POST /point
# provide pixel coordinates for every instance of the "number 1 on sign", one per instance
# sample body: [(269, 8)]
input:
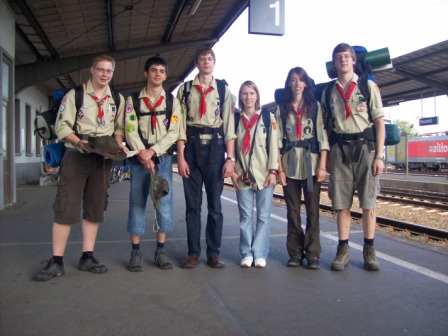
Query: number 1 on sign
[(276, 6)]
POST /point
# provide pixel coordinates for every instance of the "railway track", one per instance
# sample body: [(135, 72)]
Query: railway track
[(396, 225)]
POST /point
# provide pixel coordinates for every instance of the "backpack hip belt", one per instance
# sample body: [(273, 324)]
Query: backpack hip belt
[(365, 137), (311, 146)]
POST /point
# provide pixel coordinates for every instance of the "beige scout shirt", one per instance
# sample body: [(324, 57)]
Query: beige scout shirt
[(261, 163), (359, 120), (163, 138), (294, 161), (86, 122), (212, 116)]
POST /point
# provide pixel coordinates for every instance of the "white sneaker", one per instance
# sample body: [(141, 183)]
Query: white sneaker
[(260, 263), (247, 261)]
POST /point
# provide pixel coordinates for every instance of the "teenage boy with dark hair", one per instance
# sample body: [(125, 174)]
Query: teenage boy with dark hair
[(207, 133), (146, 132), (83, 174), (356, 155)]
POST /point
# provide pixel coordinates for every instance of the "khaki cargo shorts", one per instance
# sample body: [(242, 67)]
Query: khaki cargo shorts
[(347, 177)]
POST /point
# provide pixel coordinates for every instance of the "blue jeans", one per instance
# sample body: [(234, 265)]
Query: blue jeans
[(140, 182), (255, 241), (209, 175)]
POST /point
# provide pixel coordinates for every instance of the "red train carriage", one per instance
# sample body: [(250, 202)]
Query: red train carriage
[(428, 153)]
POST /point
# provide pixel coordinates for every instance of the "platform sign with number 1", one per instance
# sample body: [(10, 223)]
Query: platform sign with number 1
[(267, 17)]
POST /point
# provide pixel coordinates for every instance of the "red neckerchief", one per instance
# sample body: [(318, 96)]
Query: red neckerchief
[(151, 109), (99, 103), (298, 122), (246, 141), (346, 97), (203, 105)]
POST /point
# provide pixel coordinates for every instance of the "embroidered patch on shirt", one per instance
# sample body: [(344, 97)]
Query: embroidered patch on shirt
[(274, 125), (361, 107), (174, 119), (113, 108), (61, 108), (217, 112), (130, 128), (128, 108)]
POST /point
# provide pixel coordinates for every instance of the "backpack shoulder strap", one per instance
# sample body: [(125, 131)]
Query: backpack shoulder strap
[(79, 98), (266, 115), (186, 93), (116, 96), (364, 88), (169, 109), (327, 107), (221, 93), (136, 103)]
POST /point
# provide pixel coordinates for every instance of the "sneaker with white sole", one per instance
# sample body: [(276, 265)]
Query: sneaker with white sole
[(260, 263), (247, 261)]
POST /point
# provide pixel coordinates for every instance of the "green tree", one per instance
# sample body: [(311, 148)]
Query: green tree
[(406, 127)]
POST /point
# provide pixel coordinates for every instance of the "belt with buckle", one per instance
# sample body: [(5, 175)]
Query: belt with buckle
[(219, 141)]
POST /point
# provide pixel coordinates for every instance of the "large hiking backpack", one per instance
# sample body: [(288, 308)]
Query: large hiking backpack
[(363, 69), (44, 122), (168, 113)]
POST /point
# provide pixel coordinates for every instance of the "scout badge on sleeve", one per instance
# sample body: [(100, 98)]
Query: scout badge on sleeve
[(107, 147), (158, 188)]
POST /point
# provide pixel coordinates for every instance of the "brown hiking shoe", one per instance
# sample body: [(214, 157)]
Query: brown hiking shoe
[(341, 259), (370, 263)]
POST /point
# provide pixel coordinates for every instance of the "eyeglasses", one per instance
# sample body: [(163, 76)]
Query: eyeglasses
[(106, 71), (343, 57)]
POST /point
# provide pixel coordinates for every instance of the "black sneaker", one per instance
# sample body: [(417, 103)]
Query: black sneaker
[(161, 260), (91, 264), (50, 271), (136, 261), (313, 263)]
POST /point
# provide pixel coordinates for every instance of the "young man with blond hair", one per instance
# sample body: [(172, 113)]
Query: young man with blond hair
[(207, 134)]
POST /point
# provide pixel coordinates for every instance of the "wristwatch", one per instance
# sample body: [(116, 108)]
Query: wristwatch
[(229, 158), (379, 157)]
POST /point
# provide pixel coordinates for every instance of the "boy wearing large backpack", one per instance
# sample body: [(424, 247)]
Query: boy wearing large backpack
[(152, 123), (84, 175), (208, 131), (356, 154)]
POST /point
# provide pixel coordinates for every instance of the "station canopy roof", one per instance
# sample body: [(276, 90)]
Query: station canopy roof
[(420, 74), (56, 40)]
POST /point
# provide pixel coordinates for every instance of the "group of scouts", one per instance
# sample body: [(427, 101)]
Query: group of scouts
[(290, 147)]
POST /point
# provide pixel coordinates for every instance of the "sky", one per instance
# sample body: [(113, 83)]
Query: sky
[(314, 28)]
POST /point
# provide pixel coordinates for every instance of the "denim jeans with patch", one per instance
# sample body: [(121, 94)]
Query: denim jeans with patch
[(140, 182)]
